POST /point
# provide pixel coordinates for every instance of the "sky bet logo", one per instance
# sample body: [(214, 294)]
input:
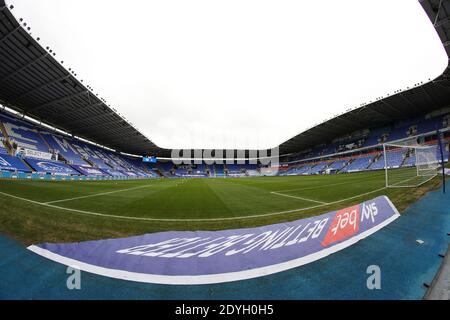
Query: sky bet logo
[(346, 222)]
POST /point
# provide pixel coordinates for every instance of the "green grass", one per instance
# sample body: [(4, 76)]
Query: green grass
[(76, 211)]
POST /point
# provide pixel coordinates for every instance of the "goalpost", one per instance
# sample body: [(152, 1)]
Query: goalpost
[(409, 164)]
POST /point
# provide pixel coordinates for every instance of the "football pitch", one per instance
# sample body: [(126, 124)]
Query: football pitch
[(54, 211)]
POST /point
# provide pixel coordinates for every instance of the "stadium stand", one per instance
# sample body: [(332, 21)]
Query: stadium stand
[(22, 134), (395, 159), (75, 157), (359, 164), (62, 146), (318, 168), (89, 171), (219, 170), (338, 165), (3, 149), (11, 163), (51, 167)]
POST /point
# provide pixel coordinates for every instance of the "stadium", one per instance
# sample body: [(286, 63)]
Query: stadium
[(81, 187)]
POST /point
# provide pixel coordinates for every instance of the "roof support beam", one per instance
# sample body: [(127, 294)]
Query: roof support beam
[(130, 138), (63, 99), (442, 22), (110, 132), (96, 124), (81, 120), (325, 127), (334, 124), (437, 13), (71, 112), (352, 121), (409, 102), (380, 114), (9, 34), (29, 64), (387, 104), (432, 100), (43, 86), (438, 82)]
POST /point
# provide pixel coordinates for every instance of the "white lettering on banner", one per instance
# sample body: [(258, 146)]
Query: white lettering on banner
[(369, 212), (345, 218), (37, 154), (63, 144), (206, 247), (285, 241), (4, 163), (216, 248)]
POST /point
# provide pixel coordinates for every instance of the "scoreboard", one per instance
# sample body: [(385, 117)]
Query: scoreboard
[(149, 159)]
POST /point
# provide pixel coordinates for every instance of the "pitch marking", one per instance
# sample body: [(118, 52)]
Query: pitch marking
[(190, 220), (300, 198), (100, 194), (187, 220)]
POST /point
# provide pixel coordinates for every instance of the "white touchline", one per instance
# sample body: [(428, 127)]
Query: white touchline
[(102, 193), (300, 198)]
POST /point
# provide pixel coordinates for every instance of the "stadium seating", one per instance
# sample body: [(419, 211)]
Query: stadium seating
[(400, 130), (318, 168), (305, 169), (219, 170), (112, 172), (23, 134), (90, 154), (11, 163), (64, 148), (51, 167), (378, 164), (359, 164), (3, 149), (235, 168), (338, 165), (89, 171), (85, 158), (78, 157), (410, 161), (394, 160)]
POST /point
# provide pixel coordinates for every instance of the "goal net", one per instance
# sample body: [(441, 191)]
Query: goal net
[(409, 164)]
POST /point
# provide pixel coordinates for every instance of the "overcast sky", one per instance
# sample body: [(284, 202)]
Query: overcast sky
[(237, 74)]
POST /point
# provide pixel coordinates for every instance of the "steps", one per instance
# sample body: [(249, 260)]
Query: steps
[(26, 163), (348, 163), (45, 141), (375, 160), (6, 143)]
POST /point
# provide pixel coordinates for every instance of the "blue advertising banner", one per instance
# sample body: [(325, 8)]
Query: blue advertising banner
[(11, 163), (205, 257), (44, 166), (88, 171)]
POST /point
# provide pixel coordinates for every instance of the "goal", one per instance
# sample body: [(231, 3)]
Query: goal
[(409, 164)]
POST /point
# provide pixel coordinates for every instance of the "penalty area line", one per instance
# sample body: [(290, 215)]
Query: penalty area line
[(299, 198)]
